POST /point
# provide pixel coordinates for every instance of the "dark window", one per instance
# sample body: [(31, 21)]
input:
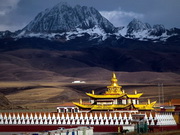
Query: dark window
[(62, 110), (119, 102), (69, 109), (75, 110)]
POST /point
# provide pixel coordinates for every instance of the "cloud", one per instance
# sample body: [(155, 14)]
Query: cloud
[(120, 17), (8, 16), (12, 28), (7, 6)]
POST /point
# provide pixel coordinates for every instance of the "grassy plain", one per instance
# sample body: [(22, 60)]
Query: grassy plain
[(46, 95)]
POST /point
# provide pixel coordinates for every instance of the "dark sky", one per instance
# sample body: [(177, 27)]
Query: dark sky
[(15, 14)]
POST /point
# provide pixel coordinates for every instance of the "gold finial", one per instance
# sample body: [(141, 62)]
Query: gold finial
[(149, 101), (114, 80), (93, 92), (114, 88), (135, 92), (113, 75), (80, 101)]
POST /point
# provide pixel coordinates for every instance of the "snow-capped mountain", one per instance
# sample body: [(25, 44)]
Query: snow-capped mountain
[(64, 19), (136, 29), (6, 34), (158, 30), (64, 22), (137, 26)]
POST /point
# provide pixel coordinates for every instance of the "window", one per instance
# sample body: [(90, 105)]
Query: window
[(69, 110), (62, 110), (119, 102), (75, 110)]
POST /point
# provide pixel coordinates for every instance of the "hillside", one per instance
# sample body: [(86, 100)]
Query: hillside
[(36, 64), (4, 102)]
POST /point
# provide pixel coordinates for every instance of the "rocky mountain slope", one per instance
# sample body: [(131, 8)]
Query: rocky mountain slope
[(63, 18), (64, 21)]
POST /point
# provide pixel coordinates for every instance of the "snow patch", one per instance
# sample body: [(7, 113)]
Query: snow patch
[(143, 35), (95, 32)]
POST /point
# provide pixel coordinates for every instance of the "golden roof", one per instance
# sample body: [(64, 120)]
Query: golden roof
[(114, 92), (135, 95), (105, 96), (145, 107), (114, 96), (102, 107), (114, 106)]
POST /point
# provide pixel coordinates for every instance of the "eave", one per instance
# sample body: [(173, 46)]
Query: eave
[(105, 96), (135, 96), (102, 107), (145, 107)]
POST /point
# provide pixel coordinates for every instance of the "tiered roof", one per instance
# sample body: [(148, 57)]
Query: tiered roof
[(115, 92)]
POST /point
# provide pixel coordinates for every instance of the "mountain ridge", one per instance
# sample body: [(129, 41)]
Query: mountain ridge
[(67, 22), (144, 31)]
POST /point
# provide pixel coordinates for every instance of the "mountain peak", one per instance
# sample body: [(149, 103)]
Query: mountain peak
[(135, 20), (158, 30), (63, 18), (136, 26), (62, 6)]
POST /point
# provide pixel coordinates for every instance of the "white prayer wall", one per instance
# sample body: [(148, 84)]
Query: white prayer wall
[(110, 118)]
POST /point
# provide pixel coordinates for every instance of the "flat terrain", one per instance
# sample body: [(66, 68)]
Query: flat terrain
[(46, 95)]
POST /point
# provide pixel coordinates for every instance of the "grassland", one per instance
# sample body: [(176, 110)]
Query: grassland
[(35, 95), (46, 95)]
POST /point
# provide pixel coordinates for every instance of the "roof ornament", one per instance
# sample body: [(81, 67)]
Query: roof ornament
[(114, 88)]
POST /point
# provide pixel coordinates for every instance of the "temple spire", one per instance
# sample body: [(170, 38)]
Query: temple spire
[(114, 81), (113, 75), (114, 88)]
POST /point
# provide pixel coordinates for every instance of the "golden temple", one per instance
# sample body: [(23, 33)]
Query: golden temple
[(114, 99)]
